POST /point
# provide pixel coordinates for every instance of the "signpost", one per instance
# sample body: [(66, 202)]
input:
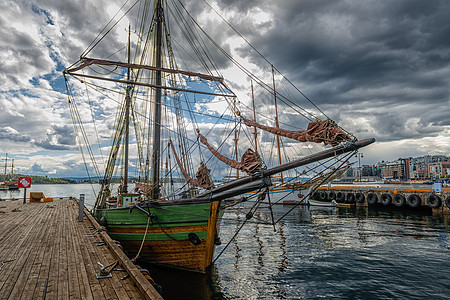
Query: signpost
[(24, 183)]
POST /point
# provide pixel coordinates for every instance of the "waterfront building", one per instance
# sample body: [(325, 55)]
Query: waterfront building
[(439, 169), (395, 170), (370, 171), (428, 167)]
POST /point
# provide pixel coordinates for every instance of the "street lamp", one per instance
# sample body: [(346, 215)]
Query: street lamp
[(359, 155)]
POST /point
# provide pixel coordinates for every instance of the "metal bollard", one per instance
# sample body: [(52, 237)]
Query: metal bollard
[(81, 208)]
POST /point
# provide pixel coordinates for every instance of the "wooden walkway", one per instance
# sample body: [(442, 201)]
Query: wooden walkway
[(45, 253)]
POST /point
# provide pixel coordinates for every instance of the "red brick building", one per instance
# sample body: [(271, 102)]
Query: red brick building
[(428, 167)]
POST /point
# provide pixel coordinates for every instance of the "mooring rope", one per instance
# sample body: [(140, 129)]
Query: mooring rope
[(143, 240)]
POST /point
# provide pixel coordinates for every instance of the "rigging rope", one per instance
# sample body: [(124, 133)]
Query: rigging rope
[(260, 54)]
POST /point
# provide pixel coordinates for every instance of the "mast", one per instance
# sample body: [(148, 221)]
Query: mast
[(235, 138), (157, 112), (255, 133), (127, 119), (277, 124)]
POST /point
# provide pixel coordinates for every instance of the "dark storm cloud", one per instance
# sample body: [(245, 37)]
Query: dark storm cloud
[(58, 138), (375, 56), (370, 45), (238, 5), (84, 20)]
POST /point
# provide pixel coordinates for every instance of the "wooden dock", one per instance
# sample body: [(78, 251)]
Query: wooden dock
[(46, 253)]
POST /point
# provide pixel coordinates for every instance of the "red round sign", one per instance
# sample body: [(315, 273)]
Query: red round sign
[(24, 182)]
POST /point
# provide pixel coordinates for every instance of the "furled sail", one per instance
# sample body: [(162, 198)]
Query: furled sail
[(319, 131), (250, 161), (203, 173)]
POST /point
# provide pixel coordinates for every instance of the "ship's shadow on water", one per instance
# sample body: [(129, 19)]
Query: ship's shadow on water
[(179, 284), (342, 253)]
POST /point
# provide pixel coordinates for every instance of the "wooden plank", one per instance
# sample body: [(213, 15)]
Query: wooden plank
[(91, 254), (19, 253), (50, 290), (28, 248), (44, 272), (105, 256), (54, 259), (35, 269), (94, 284), (146, 289), (63, 278), (77, 263)]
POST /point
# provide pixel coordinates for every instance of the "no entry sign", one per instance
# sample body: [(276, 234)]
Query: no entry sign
[(24, 182)]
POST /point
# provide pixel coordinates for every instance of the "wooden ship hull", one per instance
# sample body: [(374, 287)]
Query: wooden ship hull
[(179, 234)]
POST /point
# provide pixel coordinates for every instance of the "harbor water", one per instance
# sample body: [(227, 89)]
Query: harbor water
[(327, 253)]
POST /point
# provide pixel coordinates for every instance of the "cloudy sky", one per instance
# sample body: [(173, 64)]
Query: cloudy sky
[(378, 68)]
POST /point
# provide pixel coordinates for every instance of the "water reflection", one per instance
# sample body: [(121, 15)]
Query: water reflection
[(11, 195), (284, 258), (343, 253), (178, 284)]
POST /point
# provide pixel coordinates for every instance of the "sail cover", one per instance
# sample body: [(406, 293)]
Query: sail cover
[(319, 131), (250, 161), (203, 173)]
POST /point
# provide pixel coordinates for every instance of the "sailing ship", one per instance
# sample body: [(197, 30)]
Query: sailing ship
[(171, 115), (8, 184)]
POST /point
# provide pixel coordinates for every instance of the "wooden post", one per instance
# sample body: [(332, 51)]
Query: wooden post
[(81, 208)]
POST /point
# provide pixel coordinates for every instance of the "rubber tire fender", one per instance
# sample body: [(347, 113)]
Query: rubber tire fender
[(414, 200), (340, 197), (372, 198), (323, 196), (399, 200), (332, 196), (434, 201), (386, 199), (350, 198), (447, 202), (359, 197), (316, 196)]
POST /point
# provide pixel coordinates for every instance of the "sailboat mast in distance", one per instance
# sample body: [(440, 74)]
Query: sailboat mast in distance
[(277, 124)]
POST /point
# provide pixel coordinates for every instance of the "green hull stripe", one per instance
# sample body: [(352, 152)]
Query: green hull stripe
[(144, 225), (155, 236)]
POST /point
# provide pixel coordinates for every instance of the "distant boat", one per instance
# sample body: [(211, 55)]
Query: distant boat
[(159, 221), (8, 184), (317, 203), (311, 202)]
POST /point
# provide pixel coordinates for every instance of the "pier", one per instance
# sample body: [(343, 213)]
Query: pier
[(46, 252), (401, 197)]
